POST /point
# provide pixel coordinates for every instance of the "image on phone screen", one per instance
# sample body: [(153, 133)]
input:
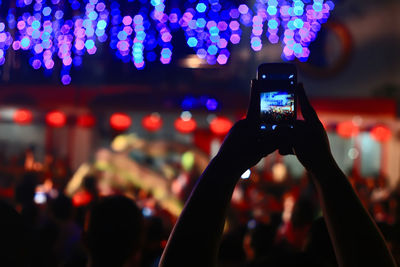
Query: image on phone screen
[(277, 107)]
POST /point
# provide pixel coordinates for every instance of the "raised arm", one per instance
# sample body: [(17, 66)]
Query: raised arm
[(196, 236), (356, 239)]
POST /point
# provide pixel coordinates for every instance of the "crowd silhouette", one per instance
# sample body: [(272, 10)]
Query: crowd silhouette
[(323, 219)]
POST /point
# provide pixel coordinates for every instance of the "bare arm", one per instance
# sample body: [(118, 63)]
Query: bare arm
[(196, 236), (356, 239)]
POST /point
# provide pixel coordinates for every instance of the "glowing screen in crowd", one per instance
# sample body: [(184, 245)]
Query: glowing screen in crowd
[(277, 106)]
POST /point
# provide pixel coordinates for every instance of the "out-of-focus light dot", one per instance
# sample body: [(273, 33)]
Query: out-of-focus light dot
[(40, 198), (122, 35), (93, 15), (49, 64), (290, 25), (212, 104), (297, 48), (166, 53), (273, 24), (317, 6), (214, 30), (2, 26), (77, 61), (36, 64), (212, 50), (66, 79), (138, 19), (235, 38), (102, 24), (353, 153), (166, 37), (298, 23), (298, 11), (89, 44), (92, 50), (120, 121), (243, 9), (192, 42), (36, 24), (220, 125), (16, 45), (36, 34), (186, 115), (234, 13), (331, 5), (139, 65), (21, 25), (100, 7), (272, 10), (1, 53), (256, 43), (127, 20), (234, 25), (201, 23), (246, 175), (67, 61), (201, 7), (25, 42), (222, 43), (59, 14), (273, 38), (201, 53), (222, 59), (46, 11), (211, 24), (3, 37)]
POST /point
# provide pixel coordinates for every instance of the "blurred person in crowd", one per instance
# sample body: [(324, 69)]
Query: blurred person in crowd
[(196, 236), (15, 238), (114, 231), (24, 197)]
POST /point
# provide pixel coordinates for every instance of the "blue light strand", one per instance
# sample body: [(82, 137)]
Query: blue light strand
[(209, 25)]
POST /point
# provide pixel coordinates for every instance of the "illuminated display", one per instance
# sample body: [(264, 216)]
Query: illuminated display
[(277, 106), (137, 34)]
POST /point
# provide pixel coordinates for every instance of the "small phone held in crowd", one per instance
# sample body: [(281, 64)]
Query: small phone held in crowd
[(276, 95)]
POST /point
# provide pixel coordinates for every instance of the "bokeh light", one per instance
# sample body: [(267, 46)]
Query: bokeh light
[(146, 32)]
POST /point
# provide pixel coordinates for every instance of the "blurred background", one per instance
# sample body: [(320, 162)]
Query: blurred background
[(137, 96)]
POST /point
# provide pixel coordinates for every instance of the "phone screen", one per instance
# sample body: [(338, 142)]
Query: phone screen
[(277, 107), (277, 95)]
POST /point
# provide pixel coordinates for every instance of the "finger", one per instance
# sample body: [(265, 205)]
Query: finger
[(307, 110), (253, 103)]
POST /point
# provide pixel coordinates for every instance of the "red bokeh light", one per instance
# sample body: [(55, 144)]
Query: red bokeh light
[(381, 133), (86, 120), (152, 122), (347, 129), (23, 116), (185, 125), (81, 198), (56, 118), (220, 125), (120, 121)]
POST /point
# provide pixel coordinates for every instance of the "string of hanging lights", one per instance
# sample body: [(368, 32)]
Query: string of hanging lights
[(141, 31)]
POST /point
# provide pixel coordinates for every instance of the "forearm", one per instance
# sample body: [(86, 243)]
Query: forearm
[(356, 239), (195, 238)]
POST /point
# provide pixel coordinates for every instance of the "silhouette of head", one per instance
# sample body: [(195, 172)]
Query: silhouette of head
[(114, 228)]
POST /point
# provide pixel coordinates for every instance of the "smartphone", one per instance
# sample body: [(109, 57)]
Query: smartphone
[(276, 95)]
